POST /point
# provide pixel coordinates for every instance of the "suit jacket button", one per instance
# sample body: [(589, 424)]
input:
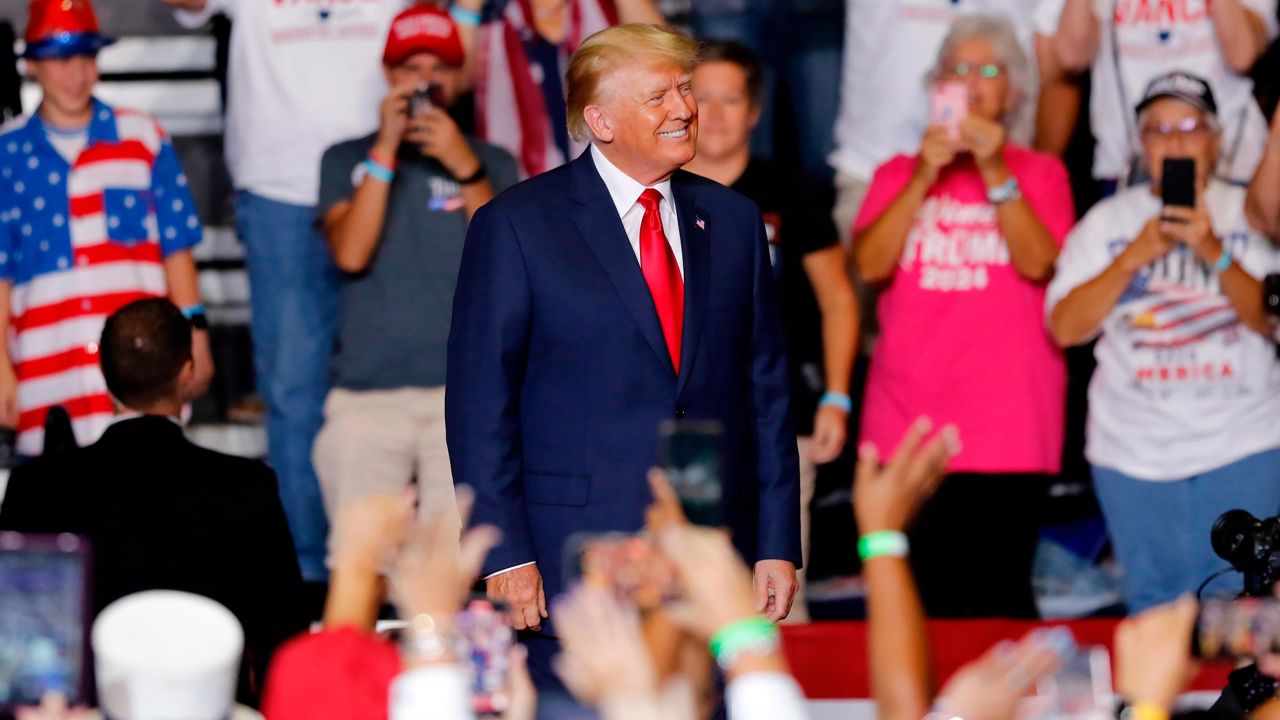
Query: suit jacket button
[(679, 413)]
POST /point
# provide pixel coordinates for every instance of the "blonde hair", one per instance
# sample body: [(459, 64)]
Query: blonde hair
[(612, 48)]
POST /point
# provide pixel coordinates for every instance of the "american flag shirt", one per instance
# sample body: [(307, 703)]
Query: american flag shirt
[(78, 241)]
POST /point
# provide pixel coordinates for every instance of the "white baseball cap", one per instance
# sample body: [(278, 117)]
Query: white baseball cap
[(167, 655)]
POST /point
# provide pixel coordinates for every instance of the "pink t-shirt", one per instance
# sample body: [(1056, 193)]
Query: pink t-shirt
[(963, 338)]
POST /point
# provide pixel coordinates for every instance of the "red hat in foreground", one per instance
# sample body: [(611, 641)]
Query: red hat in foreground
[(62, 28), (423, 29)]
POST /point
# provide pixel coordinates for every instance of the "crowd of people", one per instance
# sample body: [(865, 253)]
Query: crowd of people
[(490, 243)]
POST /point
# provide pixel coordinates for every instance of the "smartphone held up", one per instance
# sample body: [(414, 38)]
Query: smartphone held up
[(948, 105), (45, 614), (487, 639), (630, 566), (425, 96), (1178, 182), (1242, 628), (689, 451)]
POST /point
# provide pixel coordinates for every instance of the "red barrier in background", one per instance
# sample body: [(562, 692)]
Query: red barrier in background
[(830, 658)]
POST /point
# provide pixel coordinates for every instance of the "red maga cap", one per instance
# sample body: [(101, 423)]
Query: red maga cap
[(62, 28), (423, 29)]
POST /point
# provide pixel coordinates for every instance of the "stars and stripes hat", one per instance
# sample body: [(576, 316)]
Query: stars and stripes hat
[(61, 29), (423, 29)]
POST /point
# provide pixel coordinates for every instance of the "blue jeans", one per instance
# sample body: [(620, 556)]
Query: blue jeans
[(801, 50), (295, 290), (1161, 529)]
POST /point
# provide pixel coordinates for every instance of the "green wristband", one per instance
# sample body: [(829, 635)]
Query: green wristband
[(753, 635), (884, 543)]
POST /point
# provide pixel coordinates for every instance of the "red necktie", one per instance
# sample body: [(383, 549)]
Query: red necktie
[(661, 274)]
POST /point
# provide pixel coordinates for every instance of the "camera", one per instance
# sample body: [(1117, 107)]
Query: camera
[(1252, 546), (1271, 294), (429, 95)]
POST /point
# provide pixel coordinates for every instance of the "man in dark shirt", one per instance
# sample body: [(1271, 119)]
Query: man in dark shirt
[(819, 309), (395, 206), (160, 512)]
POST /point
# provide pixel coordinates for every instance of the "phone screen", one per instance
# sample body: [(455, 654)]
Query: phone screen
[(487, 637), (1242, 628), (1080, 689), (948, 105), (43, 617), (1178, 182), (691, 456), (421, 99), (629, 565)]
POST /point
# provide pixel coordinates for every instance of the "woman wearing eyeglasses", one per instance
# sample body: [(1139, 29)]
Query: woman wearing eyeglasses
[(961, 239), (1184, 407)]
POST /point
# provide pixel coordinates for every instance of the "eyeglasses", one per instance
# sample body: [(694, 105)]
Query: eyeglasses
[(987, 71), (1185, 127)]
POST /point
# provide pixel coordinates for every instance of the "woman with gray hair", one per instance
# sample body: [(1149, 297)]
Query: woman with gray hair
[(1166, 276), (962, 239)]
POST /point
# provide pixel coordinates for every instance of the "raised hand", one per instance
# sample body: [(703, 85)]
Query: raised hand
[(888, 497)]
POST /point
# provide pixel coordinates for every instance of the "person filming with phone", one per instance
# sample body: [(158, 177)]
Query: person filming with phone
[(395, 207), (1184, 401), (962, 239)]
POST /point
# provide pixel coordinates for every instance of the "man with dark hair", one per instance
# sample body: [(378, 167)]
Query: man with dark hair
[(394, 207), (161, 512), (809, 266), (144, 353), (746, 62), (95, 212)]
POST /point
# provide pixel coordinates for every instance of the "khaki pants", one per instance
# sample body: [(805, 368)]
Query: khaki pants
[(850, 192), (377, 441)]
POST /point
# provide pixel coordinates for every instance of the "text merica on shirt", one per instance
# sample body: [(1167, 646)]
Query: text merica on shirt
[(1185, 334)]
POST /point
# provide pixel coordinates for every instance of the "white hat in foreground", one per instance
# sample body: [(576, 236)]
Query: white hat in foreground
[(166, 655)]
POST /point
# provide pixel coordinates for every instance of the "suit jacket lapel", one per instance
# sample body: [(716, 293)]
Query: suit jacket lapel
[(598, 221), (695, 243)]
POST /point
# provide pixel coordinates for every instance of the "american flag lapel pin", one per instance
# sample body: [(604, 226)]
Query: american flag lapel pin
[(702, 224)]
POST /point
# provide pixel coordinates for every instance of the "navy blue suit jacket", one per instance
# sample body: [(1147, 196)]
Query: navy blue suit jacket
[(558, 375)]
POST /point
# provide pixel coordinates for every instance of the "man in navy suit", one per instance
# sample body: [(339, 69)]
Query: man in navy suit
[(596, 301)]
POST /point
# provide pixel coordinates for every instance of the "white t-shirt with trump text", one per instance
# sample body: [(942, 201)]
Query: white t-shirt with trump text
[(1182, 386), (1143, 39)]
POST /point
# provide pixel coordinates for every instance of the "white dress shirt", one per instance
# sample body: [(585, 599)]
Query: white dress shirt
[(625, 192)]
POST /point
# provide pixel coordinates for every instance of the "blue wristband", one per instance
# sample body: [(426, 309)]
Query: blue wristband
[(463, 16), (192, 310), (1004, 192), (1224, 262), (835, 399), (377, 171)]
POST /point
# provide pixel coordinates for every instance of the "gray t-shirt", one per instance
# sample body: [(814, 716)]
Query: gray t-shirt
[(395, 314)]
